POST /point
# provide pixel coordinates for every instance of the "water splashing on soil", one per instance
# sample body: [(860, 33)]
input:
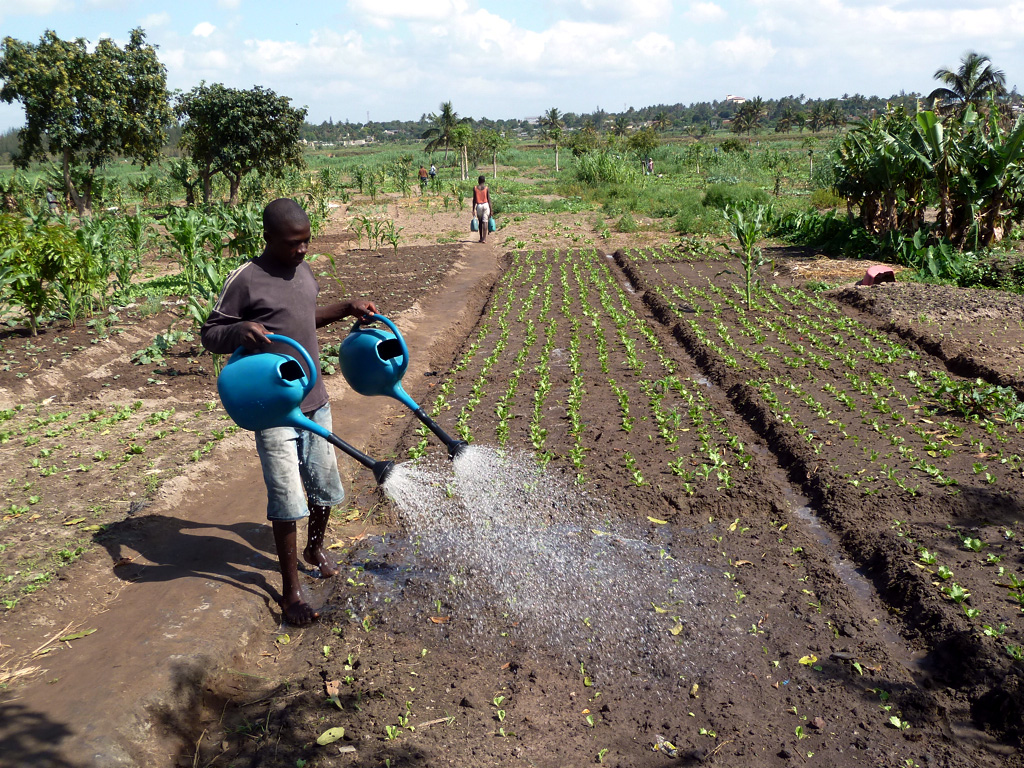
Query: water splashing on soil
[(517, 554)]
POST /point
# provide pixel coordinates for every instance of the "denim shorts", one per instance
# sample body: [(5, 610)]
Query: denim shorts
[(299, 468)]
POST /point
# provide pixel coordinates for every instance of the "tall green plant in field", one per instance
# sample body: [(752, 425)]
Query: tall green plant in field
[(748, 226), (99, 239), (188, 231), (246, 224), (33, 264), (137, 231), (595, 168)]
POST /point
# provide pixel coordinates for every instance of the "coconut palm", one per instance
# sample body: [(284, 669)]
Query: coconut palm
[(661, 121), (551, 123), (621, 126), (974, 82), (818, 117), (440, 133), (786, 120)]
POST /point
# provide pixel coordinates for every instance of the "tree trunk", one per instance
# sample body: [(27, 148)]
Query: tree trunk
[(69, 186), (207, 187), (556, 157), (234, 182), (494, 164)]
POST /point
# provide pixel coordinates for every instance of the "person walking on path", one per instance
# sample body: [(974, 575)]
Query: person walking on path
[(482, 207), (276, 293), (423, 179)]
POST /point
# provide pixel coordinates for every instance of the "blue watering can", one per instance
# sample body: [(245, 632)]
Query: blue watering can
[(265, 389), (373, 362)]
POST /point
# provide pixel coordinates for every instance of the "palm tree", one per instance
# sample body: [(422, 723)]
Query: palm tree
[(552, 123), (973, 83), (786, 120), (661, 121), (440, 133), (621, 126), (818, 117), (834, 115)]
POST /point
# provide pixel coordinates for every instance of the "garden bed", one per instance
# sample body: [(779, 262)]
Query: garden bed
[(812, 512)]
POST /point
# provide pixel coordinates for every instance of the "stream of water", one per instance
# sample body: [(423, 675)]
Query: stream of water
[(513, 545)]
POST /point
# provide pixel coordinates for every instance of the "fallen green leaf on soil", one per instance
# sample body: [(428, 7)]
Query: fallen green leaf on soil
[(76, 635), (330, 736)]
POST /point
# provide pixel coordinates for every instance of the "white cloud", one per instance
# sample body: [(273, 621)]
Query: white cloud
[(214, 59), (30, 7), (628, 12), (154, 20), (203, 29), (230, 5), (743, 53), (705, 13), (384, 14)]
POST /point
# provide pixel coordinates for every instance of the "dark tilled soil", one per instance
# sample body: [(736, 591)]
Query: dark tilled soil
[(828, 640), (974, 332), (821, 634)]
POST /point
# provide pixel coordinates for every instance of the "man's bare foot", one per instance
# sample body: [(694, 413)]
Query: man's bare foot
[(318, 558), (298, 612)]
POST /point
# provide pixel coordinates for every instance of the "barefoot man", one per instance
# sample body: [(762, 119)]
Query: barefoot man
[(276, 293)]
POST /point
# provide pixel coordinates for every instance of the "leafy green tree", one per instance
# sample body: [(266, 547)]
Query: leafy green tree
[(86, 106), (439, 134), (643, 142), (494, 142), (974, 82), (584, 140), (621, 126), (552, 124), (234, 132), (461, 138)]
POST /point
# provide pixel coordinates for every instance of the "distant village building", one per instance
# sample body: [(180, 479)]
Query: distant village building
[(735, 99)]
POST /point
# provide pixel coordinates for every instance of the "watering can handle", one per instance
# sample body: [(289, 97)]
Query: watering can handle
[(291, 342), (398, 335)]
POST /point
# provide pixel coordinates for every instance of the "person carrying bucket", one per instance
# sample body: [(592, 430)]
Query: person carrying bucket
[(275, 293), (482, 207)]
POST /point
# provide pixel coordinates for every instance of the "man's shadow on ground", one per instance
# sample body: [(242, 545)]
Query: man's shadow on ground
[(237, 554)]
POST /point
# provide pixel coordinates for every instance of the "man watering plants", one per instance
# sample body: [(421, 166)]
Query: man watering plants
[(276, 293)]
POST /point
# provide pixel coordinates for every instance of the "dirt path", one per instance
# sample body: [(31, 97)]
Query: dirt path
[(193, 578)]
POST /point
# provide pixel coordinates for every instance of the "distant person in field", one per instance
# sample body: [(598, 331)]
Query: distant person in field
[(51, 201), (433, 171), (276, 293), (424, 176), (482, 206)]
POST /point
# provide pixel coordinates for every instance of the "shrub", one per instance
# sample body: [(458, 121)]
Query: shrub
[(627, 223), (733, 145), (824, 199), (689, 218), (734, 195)]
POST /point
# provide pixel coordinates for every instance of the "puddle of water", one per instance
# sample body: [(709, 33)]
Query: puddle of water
[(859, 585)]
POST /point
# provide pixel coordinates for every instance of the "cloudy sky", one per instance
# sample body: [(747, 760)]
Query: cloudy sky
[(396, 59)]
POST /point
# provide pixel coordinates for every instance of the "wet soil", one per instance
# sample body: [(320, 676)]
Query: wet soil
[(783, 452)]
